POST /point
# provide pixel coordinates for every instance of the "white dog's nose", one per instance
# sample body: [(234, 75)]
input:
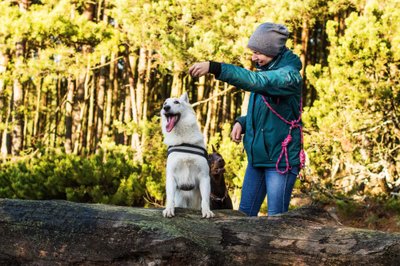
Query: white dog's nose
[(167, 108)]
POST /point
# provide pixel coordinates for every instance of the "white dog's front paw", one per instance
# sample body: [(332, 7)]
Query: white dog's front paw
[(169, 212), (207, 214)]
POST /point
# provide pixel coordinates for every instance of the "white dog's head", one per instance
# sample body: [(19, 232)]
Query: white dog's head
[(173, 110)]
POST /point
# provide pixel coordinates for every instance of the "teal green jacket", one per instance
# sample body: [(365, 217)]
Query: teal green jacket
[(281, 84)]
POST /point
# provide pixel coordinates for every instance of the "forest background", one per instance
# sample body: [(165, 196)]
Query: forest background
[(82, 84)]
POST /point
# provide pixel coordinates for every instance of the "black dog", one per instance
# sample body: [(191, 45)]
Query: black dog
[(219, 193)]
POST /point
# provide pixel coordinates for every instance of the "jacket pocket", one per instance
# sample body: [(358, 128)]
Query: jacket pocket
[(260, 149)]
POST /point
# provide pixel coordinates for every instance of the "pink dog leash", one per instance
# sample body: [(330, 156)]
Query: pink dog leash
[(293, 124)]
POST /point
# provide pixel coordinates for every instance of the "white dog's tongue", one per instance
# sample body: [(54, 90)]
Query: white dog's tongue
[(171, 121)]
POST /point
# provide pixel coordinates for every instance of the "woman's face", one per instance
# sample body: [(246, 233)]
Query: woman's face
[(260, 59)]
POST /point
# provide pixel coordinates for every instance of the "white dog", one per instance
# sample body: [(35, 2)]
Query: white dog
[(188, 179)]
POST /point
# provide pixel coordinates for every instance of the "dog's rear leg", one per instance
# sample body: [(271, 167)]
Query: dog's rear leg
[(170, 190), (205, 190)]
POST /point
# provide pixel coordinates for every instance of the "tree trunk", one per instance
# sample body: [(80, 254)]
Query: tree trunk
[(304, 46), (200, 96), (18, 96), (141, 80), (305, 35), (5, 138), (245, 102), (78, 111), (66, 233), (207, 124), (214, 109), (39, 105), (90, 119), (100, 101), (110, 97), (225, 105), (68, 116), (177, 84), (127, 117), (3, 113), (131, 69), (58, 126)]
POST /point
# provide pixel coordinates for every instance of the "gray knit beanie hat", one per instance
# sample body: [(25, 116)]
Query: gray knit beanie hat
[(268, 39)]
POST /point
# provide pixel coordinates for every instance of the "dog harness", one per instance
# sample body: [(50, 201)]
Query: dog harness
[(188, 148)]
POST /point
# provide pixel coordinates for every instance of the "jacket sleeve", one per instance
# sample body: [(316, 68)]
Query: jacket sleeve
[(242, 121), (284, 81)]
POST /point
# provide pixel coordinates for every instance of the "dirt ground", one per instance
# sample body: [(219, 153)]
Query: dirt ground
[(369, 214), (372, 217)]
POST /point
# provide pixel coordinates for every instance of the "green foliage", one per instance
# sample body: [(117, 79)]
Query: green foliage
[(155, 157), (105, 178), (152, 171), (353, 137)]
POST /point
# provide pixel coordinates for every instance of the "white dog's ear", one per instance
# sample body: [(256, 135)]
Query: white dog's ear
[(184, 97)]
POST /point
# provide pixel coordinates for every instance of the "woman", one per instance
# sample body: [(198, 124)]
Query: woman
[(272, 126)]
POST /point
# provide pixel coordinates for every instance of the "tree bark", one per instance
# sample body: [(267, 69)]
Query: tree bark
[(100, 101), (90, 132), (3, 67), (18, 100), (68, 116), (66, 233)]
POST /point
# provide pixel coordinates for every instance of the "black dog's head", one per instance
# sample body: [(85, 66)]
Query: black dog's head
[(217, 165), (219, 193)]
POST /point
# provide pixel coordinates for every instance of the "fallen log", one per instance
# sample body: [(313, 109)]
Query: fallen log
[(67, 233)]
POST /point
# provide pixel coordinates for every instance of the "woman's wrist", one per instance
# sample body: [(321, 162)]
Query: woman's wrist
[(215, 68)]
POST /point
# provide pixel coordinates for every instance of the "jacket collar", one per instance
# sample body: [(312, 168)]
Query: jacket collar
[(274, 61)]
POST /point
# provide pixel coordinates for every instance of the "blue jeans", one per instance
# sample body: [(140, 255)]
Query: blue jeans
[(261, 181)]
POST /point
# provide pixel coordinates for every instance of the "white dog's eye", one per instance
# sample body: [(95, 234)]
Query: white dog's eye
[(176, 102)]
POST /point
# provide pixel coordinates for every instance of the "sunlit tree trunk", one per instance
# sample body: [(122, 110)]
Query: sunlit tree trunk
[(127, 112), (5, 138), (176, 88), (131, 69), (132, 65), (139, 94), (145, 105), (58, 126), (215, 109), (18, 96), (77, 113), (3, 109), (146, 86), (140, 86), (304, 53), (200, 96), (47, 123), (100, 101), (115, 107), (225, 105), (80, 104), (68, 116), (245, 103), (233, 107), (210, 112), (37, 112), (109, 99), (90, 118)]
